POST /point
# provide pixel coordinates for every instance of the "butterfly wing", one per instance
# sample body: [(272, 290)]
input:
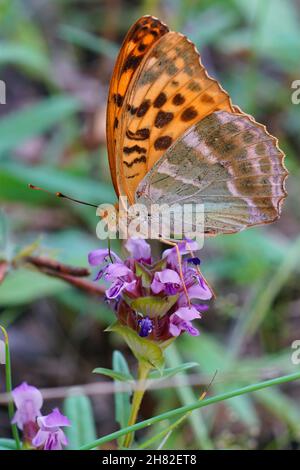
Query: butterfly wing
[(139, 39), (229, 163), (169, 92)]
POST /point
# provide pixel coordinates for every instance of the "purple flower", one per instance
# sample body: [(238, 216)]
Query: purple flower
[(181, 321), (146, 327), (50, 436), (28, 401), (185, 247), (139, 249), (97, 257), (121, 276), (199, 291), (166, 281), (163, 291)]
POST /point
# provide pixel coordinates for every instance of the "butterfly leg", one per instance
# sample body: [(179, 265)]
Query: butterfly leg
[(198, 268), (175, 245)]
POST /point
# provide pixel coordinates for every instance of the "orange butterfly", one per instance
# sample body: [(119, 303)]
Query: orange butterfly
[(174, 136)]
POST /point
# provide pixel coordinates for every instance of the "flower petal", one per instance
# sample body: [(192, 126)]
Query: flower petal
[(187, 313), (139, 249), (185, 246), (166, 276), (114, 290), (131, 286), (146, 326), (200, 291), (53, 420), (180, 321), (40, 438), (116, 270), (174, 329), (97, 257), (25, 392)]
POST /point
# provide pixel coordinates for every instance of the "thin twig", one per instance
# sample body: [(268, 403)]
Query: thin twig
[(89, 287), (71, 274), (54, 265)]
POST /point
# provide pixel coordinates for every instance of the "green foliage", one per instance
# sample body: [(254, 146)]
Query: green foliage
[(122, 398), (78, 408), (144, 349), (7, 444), (34, 119)]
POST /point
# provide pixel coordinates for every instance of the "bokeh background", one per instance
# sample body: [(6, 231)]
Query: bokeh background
[(56, 58)]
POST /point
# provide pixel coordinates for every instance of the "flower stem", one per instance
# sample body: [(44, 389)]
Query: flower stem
[(143, 370), (8, 383)]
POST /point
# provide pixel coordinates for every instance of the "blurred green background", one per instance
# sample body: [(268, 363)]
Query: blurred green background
[(56, 58)]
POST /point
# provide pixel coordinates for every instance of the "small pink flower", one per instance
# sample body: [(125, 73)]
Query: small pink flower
[(50, 436), (136, 278), (184, 248), (139, 249), (167, 281), (28, 401), (101, 255), (181, 321)]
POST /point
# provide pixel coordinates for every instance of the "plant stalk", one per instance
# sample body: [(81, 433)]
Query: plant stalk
[(143, 371), (8, 383)]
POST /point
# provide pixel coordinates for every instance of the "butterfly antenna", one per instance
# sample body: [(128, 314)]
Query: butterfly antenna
[(109, 252), (58, 194)]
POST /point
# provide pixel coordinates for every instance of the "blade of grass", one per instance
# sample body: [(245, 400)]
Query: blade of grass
[(193, 406), (8, 384), (186, 396), (122, 399), (34, 119), (250, 320), (88, 41), (79, 410), (165, 433)]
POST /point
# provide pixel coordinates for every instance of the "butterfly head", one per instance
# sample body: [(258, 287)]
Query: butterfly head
[(108, 214)]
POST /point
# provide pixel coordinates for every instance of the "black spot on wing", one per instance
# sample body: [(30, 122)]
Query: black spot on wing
[(141, 159)]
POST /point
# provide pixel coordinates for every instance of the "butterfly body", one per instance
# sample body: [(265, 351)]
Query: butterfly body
[(175, 137)]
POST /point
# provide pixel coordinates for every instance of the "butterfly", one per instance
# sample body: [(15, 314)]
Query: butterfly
[(174, 136)]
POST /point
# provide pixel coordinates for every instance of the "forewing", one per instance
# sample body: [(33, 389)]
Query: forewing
[(139, 39), (171, 91)]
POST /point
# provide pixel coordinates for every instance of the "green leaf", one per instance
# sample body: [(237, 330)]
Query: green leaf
[(144, 349), (15, 178), (7, 444), (152, 306), (24, 286), (78, 409), (35, 119), (113, 374), (89, 41), (122, 399), (24, 56), (171, 371)]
